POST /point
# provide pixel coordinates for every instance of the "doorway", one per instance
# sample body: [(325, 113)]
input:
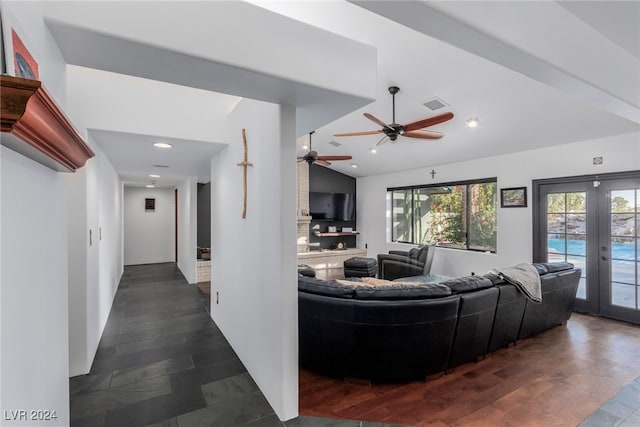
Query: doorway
[(592, 222)]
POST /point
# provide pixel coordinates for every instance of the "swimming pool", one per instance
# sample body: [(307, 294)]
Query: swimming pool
[(627, 251)]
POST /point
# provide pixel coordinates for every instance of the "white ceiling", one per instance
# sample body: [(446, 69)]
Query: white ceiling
[(518, 108), (135, 158)]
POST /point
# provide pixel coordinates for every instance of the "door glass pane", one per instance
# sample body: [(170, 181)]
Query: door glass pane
[(577, 202), (567, 232), (555, 202), (624, 248), (623, 272), (556, 223), (581, 263), (622, 201), (582, 289), (623, 224), (576, 224), (623, 295)]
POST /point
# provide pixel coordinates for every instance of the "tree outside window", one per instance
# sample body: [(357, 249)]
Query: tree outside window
[(459, 215)]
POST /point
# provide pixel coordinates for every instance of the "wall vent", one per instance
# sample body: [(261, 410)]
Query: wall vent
[(160, 166), (435, 103), (335, 144)]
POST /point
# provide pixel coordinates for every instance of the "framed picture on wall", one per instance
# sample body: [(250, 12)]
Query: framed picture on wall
[(515, 197), (149, 205), (17, 51)]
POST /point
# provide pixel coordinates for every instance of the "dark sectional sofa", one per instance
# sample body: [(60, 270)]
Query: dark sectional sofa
[(409, 331)]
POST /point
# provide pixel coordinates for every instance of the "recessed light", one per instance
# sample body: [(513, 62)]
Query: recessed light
[(150, 186), (353, 165), (154, 176), (373, 150), (162, 145), (305, 147), (471, 123)]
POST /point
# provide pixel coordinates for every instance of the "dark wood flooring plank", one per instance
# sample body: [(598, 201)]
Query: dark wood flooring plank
[(558, 377)]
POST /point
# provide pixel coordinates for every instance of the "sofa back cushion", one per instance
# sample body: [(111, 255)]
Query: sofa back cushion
[(311, 285), (468, 284), (402, 291)]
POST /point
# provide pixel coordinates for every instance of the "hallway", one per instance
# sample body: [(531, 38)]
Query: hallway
[(163, 362)]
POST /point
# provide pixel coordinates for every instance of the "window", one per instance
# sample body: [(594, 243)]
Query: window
[(457, 215)]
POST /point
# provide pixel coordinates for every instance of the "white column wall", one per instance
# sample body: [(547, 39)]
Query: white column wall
[(254, 259), (621, 153), (188, 228), (149, 237), (34, 337), (33, 281)]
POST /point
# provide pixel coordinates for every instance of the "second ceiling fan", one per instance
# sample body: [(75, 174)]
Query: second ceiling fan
[(312, 156), (412, 129)]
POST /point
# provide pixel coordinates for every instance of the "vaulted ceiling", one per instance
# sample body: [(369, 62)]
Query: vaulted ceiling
[(534, 74)]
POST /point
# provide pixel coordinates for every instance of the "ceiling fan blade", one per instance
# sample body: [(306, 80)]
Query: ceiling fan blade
[(376, 120), (382, 141), (322, 162), (335, 157), (427, 121), (423, 134), (300, 159), (368, 132)]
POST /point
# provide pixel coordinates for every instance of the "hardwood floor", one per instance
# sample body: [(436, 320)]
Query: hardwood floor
[(556, 378)]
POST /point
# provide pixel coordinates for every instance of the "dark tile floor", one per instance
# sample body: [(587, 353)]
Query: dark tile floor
[(622, 410), (163, 362)]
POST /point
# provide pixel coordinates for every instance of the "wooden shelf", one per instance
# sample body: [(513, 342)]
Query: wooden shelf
[(336, 233), (33, 125)]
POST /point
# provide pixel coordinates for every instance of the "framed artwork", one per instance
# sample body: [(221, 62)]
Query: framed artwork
[(149, 205), (16, 50), (24, 64), (515, 197)]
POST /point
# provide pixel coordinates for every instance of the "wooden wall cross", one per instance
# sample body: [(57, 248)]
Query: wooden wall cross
[(245, 163)]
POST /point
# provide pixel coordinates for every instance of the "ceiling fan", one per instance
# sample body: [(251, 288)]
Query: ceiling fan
[(411, 129), (312, 156)]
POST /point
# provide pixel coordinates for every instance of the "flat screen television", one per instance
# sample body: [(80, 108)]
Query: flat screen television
[(332, 206)]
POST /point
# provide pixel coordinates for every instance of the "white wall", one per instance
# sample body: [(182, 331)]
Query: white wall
[(149, 237), (33, 283), (188, 228), (94, 198), (621, 153), (254, 259), (34, 366)]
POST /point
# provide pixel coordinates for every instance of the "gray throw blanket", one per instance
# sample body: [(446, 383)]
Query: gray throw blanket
[(523, 276)]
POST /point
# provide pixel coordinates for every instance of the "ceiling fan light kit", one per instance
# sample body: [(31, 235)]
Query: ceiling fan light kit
[(412, 129)]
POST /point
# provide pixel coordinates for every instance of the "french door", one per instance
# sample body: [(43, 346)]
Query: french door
[(593, 222)]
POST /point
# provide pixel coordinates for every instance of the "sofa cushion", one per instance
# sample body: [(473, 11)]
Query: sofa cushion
[(402, 291), (542, 269), (553, 267), (495, 279), (468, 284), (311, 285), (414, 253)]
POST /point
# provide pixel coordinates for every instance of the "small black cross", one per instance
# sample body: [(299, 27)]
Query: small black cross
[(433, 174)]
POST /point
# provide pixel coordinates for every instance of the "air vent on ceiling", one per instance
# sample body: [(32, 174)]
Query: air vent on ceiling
[(435, 103), (335, 144), (160, 166)]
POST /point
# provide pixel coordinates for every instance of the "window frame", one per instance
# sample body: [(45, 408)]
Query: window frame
[(467, 213)]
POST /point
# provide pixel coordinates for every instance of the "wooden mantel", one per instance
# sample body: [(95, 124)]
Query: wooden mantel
[(34, 126)]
